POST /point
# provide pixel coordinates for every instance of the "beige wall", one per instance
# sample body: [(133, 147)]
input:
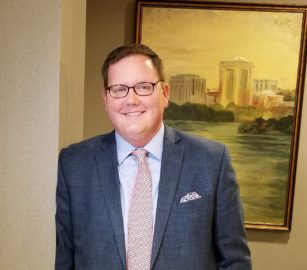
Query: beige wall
[(29, 97), (73, 21), (109, 24), (112, 24)]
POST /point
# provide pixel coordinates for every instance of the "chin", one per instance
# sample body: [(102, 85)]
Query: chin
[(135, 132)]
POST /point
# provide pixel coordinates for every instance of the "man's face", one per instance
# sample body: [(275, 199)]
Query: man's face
[(136, 118)]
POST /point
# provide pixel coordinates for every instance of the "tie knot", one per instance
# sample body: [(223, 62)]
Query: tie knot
[(140, 154)]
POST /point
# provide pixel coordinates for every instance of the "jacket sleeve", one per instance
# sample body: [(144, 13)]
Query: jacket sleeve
[(64, 232), (232, 252)]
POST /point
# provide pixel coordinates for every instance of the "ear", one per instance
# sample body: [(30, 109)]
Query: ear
[(103, 94), (166, 91)]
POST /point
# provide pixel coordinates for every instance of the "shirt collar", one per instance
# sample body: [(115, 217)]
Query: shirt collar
[(154, 147)]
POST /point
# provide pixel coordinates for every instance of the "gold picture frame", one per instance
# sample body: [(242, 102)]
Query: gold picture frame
[(236, 72)]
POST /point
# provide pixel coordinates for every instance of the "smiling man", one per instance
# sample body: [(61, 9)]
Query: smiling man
[(146, 196), (137, 118)]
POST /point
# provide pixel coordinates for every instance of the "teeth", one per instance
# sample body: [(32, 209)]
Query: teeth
[(133, 113)]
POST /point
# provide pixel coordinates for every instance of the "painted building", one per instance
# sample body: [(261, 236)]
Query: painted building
[(261, 85), (235, 82), (265, 93), (187, 88), (212, 97), (268, 99)]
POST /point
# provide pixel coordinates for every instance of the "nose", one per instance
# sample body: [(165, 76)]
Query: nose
[(132, 97)]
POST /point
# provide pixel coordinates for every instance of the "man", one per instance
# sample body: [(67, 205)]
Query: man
[(195, 218)]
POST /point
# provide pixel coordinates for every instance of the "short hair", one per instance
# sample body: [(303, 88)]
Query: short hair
[(127, 50)]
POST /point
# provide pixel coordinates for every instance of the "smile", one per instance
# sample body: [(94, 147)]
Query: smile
[(133, 113)]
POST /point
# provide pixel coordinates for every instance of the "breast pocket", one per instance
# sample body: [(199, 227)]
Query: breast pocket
[(192, 203), (190, 219)]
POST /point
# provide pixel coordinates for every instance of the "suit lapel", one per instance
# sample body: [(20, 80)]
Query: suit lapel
[(170, 171), (108, 173)]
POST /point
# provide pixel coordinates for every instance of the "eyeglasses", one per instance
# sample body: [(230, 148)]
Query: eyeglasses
[(141, 89)]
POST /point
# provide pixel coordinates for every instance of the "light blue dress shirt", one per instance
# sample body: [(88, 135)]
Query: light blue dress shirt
[(127, 169)]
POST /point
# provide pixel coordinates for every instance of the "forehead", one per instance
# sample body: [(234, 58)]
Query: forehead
[(134, 59), (132, 68)]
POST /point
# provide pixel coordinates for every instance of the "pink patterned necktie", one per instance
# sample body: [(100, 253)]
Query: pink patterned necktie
[(140, 223)]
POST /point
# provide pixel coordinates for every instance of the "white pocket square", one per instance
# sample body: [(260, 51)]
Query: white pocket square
[(191, 196)]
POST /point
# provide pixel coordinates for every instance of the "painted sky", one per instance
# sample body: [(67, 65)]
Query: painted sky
[(195, 41)]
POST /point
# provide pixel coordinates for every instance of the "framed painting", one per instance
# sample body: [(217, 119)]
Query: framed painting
[(236, 73)]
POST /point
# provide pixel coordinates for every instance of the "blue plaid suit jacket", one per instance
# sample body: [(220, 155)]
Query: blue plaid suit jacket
[(205, 233)]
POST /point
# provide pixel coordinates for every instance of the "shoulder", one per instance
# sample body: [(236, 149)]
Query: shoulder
[(86, 149), (194, 143), (199, 151)]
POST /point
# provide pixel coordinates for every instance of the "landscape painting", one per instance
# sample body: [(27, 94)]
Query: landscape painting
[(236, 73)]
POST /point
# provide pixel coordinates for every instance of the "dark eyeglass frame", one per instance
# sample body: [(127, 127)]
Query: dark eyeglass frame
[(134, 89)]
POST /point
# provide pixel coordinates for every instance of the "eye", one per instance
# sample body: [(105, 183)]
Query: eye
[(143, 86), (117, 89)]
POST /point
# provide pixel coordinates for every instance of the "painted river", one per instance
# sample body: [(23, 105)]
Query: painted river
[(261, 163)]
